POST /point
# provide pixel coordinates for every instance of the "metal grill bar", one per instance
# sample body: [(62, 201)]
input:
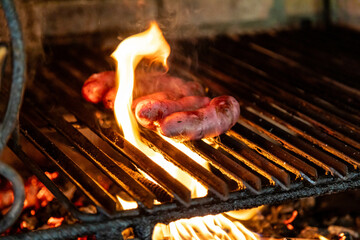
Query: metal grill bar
[(294, 144), (112, 168), (227, 165), (261, 165), (66, 166), (300, 107), (274, 153), (180, 159), (51, 186)]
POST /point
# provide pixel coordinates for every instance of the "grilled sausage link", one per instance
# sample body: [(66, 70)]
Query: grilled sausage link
[(152, 109), (101, 87), (96, 86), (219, 116)]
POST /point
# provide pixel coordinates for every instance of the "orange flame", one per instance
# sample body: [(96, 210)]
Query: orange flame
[(55, 222), (148, 44), (209, 227)]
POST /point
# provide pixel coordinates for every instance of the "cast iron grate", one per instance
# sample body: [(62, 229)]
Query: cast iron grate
[(298, 134)]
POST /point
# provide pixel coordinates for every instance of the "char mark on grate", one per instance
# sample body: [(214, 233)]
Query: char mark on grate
[(298, 134)]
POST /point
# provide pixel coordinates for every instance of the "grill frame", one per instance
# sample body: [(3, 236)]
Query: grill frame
[(211, 204)]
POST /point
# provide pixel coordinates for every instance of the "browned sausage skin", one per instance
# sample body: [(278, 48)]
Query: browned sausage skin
[(219, 116), (109, 98), (96, 86), (101, 87), (151, 110)]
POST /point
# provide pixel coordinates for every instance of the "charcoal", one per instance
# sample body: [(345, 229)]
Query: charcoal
[(337, 230)]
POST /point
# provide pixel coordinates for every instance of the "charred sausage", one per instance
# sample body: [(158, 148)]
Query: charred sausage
[(150, 110), (219, 116)]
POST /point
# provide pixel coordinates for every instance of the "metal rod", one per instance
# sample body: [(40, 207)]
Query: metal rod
[(69, 168), (18, 73), (215, 184), (254, 160), (51, 186), (226, 165), (274, 152), (295, 144)]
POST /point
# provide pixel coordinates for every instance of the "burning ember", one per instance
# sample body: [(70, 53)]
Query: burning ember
[(290, 220), (37, 195), (37, 198), (55, 222)]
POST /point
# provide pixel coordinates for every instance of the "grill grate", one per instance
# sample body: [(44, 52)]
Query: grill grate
[(298, 134)]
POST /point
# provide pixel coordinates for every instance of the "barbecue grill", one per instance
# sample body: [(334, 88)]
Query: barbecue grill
[(298, 134)]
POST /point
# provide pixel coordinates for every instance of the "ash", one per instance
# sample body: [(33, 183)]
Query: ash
[(335, 216)]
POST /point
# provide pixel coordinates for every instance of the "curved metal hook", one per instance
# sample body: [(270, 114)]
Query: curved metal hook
[(19, 196), (18, 74)]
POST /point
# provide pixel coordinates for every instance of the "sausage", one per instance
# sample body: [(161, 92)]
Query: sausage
[(219, 116), (156, 96), (150, 110), (148, 83), (100, 87), (189, 89), (96, 86), (109, 98)]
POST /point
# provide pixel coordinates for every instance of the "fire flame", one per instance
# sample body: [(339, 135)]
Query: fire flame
[(209, 227), (149, 44), (152, 44)]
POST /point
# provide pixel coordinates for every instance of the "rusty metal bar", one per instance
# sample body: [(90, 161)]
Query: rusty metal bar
[(215, 184), (255, 161), (114, 169), (283, 68), (295, 144), (274, 153), (51, 185), (77, 176), (226, 165)]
